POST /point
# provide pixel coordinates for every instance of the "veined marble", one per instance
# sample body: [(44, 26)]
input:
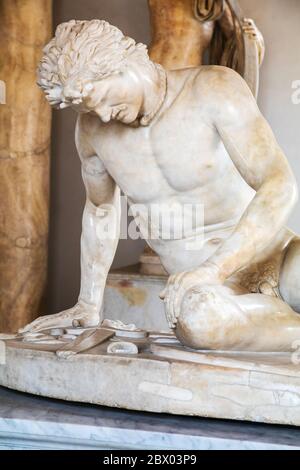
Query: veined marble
[(28, 422)]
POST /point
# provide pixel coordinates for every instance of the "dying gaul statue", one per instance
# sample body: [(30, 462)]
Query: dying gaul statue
[(168, 139)]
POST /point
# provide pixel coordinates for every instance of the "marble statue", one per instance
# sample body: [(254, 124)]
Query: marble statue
[(191, 136)]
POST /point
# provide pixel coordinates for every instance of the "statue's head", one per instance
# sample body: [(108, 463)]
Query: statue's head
[(93, 67)]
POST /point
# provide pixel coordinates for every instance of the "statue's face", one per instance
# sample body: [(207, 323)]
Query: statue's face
[(118, 97)]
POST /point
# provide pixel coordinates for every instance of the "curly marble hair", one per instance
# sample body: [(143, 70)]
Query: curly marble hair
[(84, 51)]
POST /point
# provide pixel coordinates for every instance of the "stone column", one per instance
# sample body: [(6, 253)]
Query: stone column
[(25, 121)]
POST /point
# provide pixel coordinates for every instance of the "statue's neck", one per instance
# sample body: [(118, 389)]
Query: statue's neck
[(155, 98)]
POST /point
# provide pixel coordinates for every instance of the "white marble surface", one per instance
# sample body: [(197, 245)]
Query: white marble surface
[(28, 422), (161, 379), (134, 298)]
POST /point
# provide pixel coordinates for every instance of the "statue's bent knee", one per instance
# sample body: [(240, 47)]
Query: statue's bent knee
[(197, 325), (210, 319)]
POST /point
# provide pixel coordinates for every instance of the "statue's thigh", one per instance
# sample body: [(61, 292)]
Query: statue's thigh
[(289, 285), (222, 319)]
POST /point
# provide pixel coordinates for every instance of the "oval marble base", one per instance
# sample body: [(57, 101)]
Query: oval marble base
[(167, 379)]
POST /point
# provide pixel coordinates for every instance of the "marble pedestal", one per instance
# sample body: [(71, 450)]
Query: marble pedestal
[(163, 378), (29, 422), (133, 297)]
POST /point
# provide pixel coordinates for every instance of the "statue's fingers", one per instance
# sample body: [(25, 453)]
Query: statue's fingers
[(249, 21), (21, 331), (7, 336), (179, 298), (163, 293), (168, 316), (41, 324), (86, 321), (34, 328), (169, 309), (170, 323), (178, 281), (172, 306), (175, 308), (27, 328), (251, 32)]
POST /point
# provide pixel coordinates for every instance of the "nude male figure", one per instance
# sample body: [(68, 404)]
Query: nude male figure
[(191, 136)]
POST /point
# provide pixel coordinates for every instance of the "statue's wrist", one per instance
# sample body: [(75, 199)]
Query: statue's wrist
[(216, 271), (90, 307)]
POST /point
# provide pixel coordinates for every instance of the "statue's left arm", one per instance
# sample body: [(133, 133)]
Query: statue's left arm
[(254, 151), (232, 110)]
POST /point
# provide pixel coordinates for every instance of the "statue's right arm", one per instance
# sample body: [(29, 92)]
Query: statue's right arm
[(98, 247), (100, 223)]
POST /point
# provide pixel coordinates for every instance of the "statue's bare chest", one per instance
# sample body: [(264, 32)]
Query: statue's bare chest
[(172, 156)]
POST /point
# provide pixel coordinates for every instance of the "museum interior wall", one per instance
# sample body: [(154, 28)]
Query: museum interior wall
[(278, 20)]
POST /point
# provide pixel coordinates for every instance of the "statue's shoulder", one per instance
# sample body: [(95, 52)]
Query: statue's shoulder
[(224, 94), (216, 78), (218, 88)]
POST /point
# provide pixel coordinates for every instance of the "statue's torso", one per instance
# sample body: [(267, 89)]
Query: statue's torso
[(181, 159)]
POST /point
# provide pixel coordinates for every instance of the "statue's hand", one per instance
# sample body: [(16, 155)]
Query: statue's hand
[(81, 315), (178, 284), (250, 28)]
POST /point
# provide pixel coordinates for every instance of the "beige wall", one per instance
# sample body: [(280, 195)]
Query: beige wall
[(278, 19)]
